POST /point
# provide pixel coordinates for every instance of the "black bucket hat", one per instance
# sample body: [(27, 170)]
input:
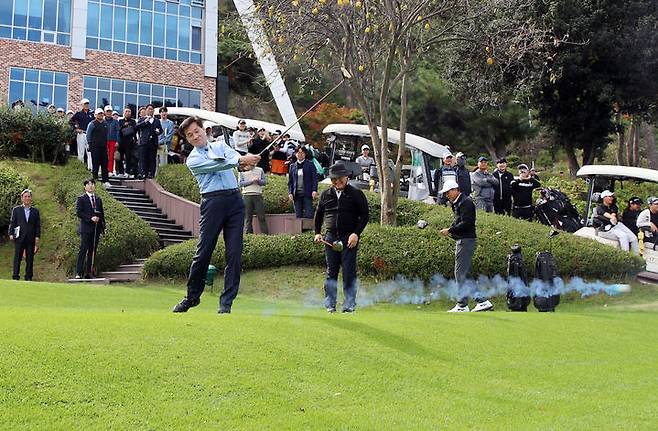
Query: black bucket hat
[(338, 170)]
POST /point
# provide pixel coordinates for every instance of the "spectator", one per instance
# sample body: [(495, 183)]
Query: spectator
[(252, 180), (647, 222), (115, 115), (51, 109), (258, 145), (463, 176), (80, 121), (127, 144), (484, 186), (97, 138), (25, 231), (17, 104), (444, 173), (279, 158), (149, 129), (522, 188), (631, 213), (463, 232), (112, 138), (503, 193), (533, 174), (209, 135), (59, 113), (606, 220), (164, 140), (241, 138), (89, 209), (302, 184), (343, 211), (364, 160)]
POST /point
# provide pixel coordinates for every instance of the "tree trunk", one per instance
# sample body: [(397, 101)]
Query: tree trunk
[(619, 128), (573, 161), (403, 139), (629, 143), (650, 150), (636, 142)]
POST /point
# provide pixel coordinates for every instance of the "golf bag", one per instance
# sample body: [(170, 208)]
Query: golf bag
[(516, 269), (554, 208), (546, 271)]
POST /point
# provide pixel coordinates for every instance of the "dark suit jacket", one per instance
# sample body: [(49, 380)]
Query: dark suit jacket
[(85, 212), (30, 229), (310, 178), (148, 132)]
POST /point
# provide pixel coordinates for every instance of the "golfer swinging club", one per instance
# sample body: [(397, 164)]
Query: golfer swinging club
[(343, 209)]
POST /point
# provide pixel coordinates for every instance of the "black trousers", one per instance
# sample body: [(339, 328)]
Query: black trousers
[(503, 206), (88, 248), (99, 157), (523, 213), (147, 156), (130, 150), (221, 213), (27, 246)]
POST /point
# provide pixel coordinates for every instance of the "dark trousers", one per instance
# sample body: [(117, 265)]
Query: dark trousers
[(503, 207), (88, 248), (464, 251), (147, 156), (26, 246), (130, 150), (224, 213), (303, 206), (253, 204), (335, 260), (523, 213), (99, 159)]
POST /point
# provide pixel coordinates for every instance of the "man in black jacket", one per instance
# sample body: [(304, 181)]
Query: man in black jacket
[(503, 193), (25, 231), (343, 209), (127, 143), (522, 188), (89, 209), (149, 129), (97, 141), (462, 231)]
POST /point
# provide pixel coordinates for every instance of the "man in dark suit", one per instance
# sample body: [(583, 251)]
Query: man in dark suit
[(89, 209), (25, 231), (302, 184), (149, 129)]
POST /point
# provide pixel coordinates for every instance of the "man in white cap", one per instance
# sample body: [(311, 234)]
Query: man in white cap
[(80, 121), (462, 231), (112, 137), (606, 220), (97, 136), (647, 222), (364, 160), (444, 174)]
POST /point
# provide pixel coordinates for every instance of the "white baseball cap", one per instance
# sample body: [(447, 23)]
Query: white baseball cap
[(449, 185), (606, 193), (98, 111), (446, 155), (108, 108), (364, 147), (83, 101)]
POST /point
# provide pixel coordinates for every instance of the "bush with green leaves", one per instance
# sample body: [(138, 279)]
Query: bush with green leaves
[(12, 183), (126, 238), (389, 251), (39, 137)]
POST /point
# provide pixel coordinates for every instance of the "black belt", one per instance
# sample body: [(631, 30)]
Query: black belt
[(219, 193)]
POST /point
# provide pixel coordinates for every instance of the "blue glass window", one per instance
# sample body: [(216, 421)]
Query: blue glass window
[(38, 88), (27, 20), (93, 15), (120, 23), (50, 17), (6, 12), (35, 14)]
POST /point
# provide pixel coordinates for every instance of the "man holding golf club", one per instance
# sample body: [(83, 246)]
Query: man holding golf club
[(89, 209), (462, 231), (343, 210)]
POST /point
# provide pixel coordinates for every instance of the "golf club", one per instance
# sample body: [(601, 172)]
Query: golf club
[(335, 246), (346, 75)]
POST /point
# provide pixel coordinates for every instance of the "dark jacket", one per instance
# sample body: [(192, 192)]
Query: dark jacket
[(148, 132), (85, 212), (126, 137), (344, 216), (463, 226), (81, 120), (97, 134), (258, 145), (629, 219), (463, 179), (112, 129), (522, 191), (30, 229), (503, 192), (601, 222), (310, 178)]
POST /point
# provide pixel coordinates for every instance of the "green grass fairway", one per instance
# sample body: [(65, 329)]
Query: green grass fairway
[(99, 357)]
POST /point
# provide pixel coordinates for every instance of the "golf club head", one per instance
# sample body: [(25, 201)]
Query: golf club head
[(337, 246), (422, 224)]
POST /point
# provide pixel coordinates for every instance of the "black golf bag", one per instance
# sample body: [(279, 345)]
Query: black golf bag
[(554, 208), (546, 271), (519, 300)]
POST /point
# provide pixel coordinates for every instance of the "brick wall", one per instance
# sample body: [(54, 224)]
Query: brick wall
[(106, 64)]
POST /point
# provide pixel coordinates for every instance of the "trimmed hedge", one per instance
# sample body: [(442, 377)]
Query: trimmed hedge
[(389, 251), (12, 183), (126, 236)]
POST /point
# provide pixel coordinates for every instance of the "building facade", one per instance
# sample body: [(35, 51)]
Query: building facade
[(112, 52)]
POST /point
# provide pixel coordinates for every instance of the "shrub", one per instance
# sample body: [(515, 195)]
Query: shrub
[(389, 251), (12, 183), (126, 237)]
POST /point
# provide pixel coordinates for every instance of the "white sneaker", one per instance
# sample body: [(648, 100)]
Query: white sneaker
[(483, 306), (106, 185), (459, 309)]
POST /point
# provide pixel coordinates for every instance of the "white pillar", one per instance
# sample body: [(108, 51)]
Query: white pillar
[(79, 29), (210, 40)]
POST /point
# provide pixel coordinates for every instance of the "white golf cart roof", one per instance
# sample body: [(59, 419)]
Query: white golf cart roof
[(232, 122), (413, 141), (619, 172)]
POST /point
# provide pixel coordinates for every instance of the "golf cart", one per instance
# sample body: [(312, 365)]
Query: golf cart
[(422, 156), (607, 177)]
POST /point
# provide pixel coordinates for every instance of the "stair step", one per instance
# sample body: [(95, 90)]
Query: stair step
[(147, 203), (169, 236), (164, 224), (149, 216), (122, 275), (143, 208), (141, 260), (127, 195), (131, 267), (89, 280), (173, 231)]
